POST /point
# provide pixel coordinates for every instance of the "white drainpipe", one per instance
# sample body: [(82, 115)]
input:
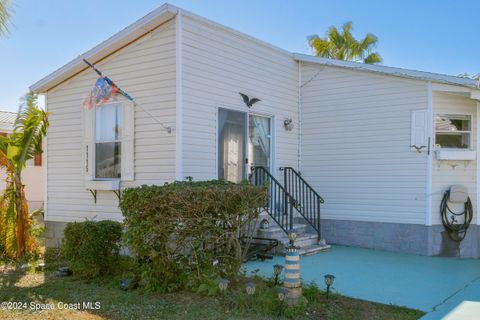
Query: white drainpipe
[(299, 116)]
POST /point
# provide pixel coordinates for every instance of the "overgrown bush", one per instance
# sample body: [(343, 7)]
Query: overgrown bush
[(187, 233), (92, 247)]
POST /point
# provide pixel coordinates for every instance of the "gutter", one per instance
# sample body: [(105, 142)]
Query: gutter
[(391, 71)]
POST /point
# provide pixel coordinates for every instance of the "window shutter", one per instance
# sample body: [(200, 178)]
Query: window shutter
[(88, 137), (419, 129), (128, 151)]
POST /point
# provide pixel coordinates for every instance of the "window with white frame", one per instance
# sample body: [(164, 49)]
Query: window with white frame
[(108, 141), (453, 131)]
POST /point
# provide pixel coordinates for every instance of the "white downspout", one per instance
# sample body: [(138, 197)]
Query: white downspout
[(299, 116), (477, 128), (179, 174), (429, 160), (45, 166)]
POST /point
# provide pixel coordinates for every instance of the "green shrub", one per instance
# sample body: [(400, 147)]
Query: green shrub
[(311, 291), (189, 229), (53, 259), (91, 248)]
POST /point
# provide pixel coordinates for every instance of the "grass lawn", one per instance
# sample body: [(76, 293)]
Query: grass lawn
[(44, 288)]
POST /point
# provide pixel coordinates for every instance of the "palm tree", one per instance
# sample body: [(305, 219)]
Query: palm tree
[(15, 150), (343, 45), (468, 75), (4, 16)]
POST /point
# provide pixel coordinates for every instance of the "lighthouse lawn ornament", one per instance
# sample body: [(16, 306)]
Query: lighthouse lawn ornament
[(292, 280)]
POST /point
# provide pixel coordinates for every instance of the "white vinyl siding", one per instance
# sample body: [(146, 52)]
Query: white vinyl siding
[(356, 138), (449, 172), (217, 65), (146, 70)]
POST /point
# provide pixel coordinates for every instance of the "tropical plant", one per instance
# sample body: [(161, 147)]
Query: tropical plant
[(16, 232), (4, 16), (468, 75), (342, 45)]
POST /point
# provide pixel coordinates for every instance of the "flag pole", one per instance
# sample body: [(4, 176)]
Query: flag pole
[(126, 95)]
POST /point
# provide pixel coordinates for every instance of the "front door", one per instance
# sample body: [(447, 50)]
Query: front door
[(239, 148), (231, 145), (259, 141)]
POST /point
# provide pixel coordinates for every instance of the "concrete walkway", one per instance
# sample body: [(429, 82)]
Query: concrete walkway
[(431, 284)]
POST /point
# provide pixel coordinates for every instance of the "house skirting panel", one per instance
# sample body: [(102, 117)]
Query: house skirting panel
[(54, 233), (399, 237)]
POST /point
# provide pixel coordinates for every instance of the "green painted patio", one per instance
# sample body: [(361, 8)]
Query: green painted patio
[(435, 285)]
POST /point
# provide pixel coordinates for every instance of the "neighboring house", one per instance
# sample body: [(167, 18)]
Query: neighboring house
[(354, 126), (32, 174)]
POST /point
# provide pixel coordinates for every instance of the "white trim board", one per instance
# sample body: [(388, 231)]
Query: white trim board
[(45, 167), (429, 158), (478, 162), (179, 172)]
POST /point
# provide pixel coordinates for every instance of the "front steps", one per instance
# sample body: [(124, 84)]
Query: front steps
[(305, 240)]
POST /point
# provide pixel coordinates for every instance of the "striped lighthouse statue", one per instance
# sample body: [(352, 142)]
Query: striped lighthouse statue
[(292, 280)]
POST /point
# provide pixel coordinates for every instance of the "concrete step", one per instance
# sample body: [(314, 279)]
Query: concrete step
[(313, 249), (303, 240), (275, 232), (307, 243), (306, 240)]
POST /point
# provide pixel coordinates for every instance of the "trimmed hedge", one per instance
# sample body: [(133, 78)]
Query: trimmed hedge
[(188, 232), (92, 247)]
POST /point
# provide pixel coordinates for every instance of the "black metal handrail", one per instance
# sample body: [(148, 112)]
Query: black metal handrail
[(307, 200), (279, 203)]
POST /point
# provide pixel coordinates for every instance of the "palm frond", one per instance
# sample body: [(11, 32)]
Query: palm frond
[(29, 129), (469, 76), (342, 45), (319, 46), (350, 45), (5, 14), (368, 42), (373, 57)]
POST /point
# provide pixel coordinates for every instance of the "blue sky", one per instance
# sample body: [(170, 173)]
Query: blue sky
[(437, 36)]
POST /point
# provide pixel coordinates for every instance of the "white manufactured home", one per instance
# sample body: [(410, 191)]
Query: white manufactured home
[(380, 145)]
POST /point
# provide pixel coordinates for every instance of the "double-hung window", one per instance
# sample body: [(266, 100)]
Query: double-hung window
[(108, 145), (453, 131), (108, 141)]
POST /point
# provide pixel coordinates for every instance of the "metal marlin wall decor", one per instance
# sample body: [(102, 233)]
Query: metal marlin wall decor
[(249, 102)]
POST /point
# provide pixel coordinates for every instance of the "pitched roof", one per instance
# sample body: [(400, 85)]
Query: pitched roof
[(7, 117), (7, 120), (107, 47), (393, 71), (168, 11)]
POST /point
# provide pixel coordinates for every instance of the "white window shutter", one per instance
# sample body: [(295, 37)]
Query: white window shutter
[(128, 151), (419, 129), (88, 145)]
